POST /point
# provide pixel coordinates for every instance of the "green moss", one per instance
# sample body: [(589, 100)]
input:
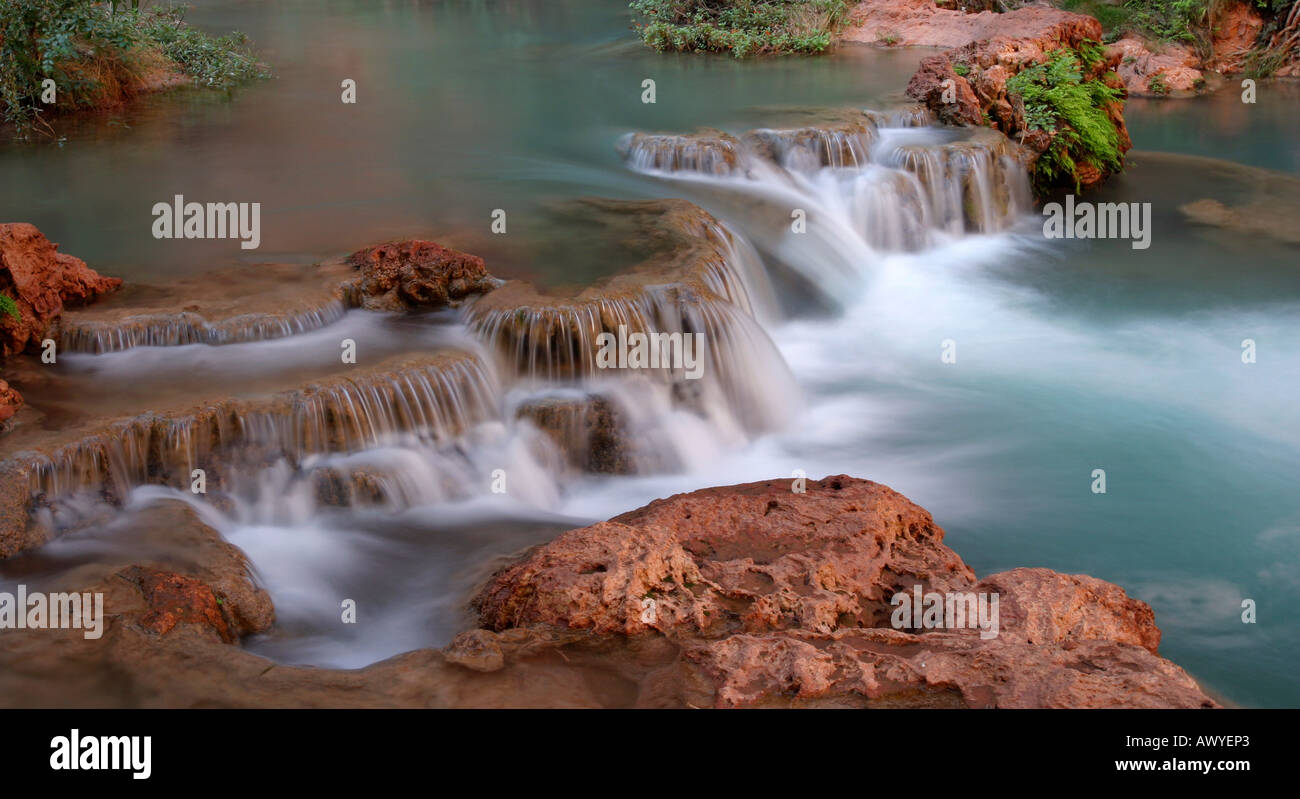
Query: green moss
[(9, 308), (1057, 99), (741, 27)]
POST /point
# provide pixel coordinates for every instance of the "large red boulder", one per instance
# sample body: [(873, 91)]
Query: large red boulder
[(41, 281), (773, 595)]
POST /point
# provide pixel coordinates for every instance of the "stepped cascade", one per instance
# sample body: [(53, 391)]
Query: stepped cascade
[(515, 382)]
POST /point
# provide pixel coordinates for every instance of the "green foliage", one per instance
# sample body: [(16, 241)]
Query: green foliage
[(1057, 99), (961, 69), (41, 39), (1114, 18), (1169, 20), (1182, 21), (1188, 22), (216, 62), (77, 43), (8, 307), (740, 27), (1157, 85)]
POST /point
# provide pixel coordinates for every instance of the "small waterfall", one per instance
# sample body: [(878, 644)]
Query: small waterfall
[(707, 153), (712, 285), (808, 149), (173, 330), (975, 185), (431, 402), (866, 184)]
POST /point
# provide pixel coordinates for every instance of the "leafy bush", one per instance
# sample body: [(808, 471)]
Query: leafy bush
[(740, 27), (1057, 99), (217, 62), (94, 50), (42, 39)]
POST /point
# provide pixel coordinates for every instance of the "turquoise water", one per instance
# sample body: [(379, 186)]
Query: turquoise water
[(1073, 356)]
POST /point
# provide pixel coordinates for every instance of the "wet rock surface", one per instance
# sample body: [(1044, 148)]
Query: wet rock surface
[(587, 430), (240, 304)]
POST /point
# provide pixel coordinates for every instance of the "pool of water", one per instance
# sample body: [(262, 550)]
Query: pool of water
[(462, 108), (1072, 356)]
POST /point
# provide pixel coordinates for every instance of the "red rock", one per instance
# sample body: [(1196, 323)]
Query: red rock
[(750, 557), (174, 599), (776, 598), (10, 401), (929, 85), (922, 23), (1234, 30), (1177, 65), (417, 274), (41, 281)]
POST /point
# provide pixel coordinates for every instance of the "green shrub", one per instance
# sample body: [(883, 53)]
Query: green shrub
[(213, 61), (1057, 99), (42, 39), (85, 45), (740, 27)]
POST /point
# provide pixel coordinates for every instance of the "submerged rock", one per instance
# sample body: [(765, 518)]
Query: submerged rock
[(42, 282), (1247, 200)]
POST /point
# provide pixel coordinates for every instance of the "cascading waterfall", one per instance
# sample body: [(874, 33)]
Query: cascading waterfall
[(326, 463), (879, 182), (875, 182), (427, 403)]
